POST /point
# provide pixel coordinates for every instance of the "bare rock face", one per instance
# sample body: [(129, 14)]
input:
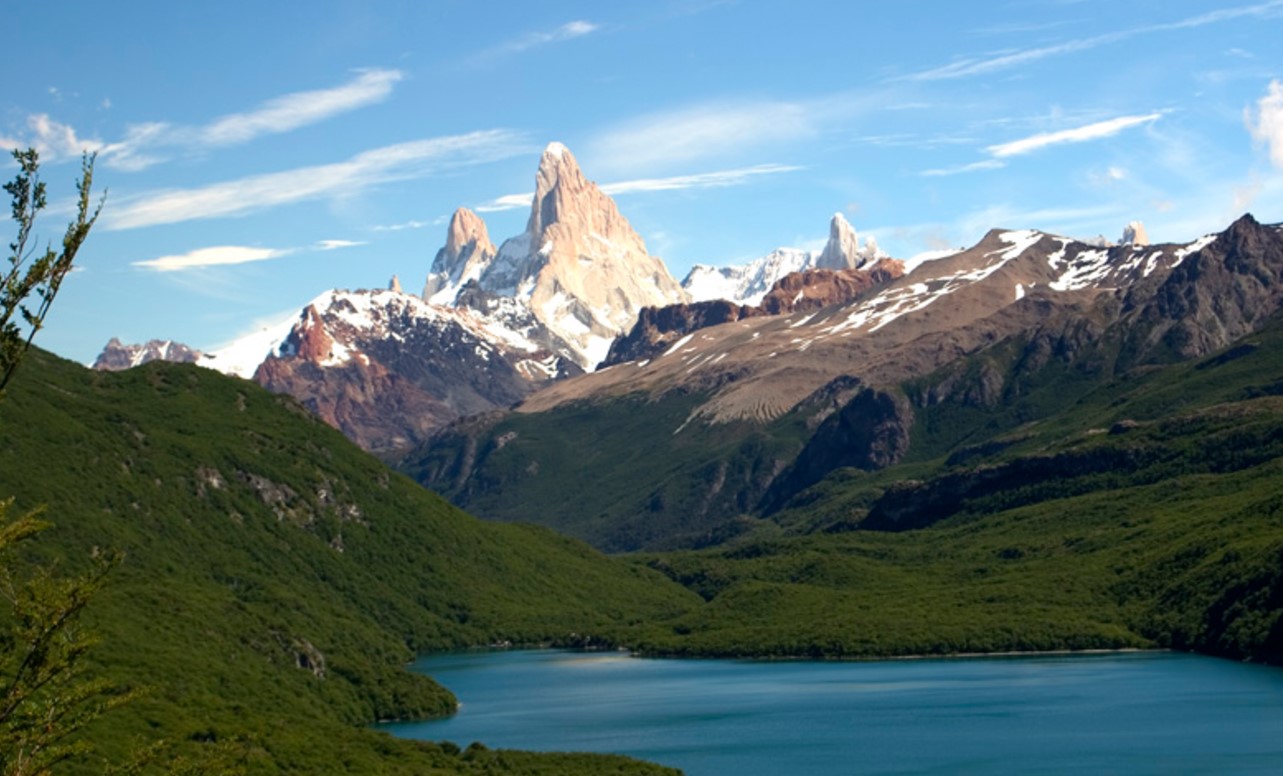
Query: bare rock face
[(395, 285), (843, 248), (591, 272), (818, 288), (658, 328), (580, 267), (466, 255), (1134, 234), (116, 355)]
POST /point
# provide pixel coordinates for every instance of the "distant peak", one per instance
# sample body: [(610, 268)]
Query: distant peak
[(555, 149), (842, 251), (466, 229), (1134, 234)]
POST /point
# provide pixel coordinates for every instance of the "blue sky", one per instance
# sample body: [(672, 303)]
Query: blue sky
[(258, 154)]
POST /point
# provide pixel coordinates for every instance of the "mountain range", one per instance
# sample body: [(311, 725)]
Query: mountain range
[(493, 324)]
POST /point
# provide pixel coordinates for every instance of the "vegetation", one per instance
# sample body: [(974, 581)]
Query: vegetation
[(277, 579)]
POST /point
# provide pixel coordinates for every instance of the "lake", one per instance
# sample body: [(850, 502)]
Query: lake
[(1145, 712)]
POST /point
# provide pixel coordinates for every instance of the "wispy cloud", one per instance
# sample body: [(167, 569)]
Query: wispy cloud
[(228, 255), (54, 140), (1096, 131), (404, 161), (401, 226), (1003, 61), (537, 39), (999, 153), (219, 255), (506, 202), (705, 180), (984, 164), (333, 245), (149, 143), (659, 140), (1266, 122)]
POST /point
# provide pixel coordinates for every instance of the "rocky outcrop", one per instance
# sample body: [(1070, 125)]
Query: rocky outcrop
[(388, 369), (1134, 234), (818, 288), (748, 284), (117, 355), (658, 328), (466, 255), (1217, 294), (869, 432), (580, 267), (842, 251)]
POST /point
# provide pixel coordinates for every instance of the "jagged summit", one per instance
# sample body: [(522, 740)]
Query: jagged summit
[(1134, 234), (843, 248), (580, 266), (467, 253), (748, 284)]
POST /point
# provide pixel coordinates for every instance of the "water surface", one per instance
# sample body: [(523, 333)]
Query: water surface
[(1110, 713)]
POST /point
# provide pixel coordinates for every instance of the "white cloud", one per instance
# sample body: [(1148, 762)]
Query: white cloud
[(399, 227), (1096, 131), (145, 144), (1266, 122), (704, 180), (52, 139), (665, 139), (568, 31), (506, 202), (404, 161), (333, 245), (984, 164), (220, 255), (983, 65), (299, 109)]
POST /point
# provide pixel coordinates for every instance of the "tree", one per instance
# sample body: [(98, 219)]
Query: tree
[(43, 276), (45, 696)]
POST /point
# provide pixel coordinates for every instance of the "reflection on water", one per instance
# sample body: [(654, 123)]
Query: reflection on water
[(1126, 712)]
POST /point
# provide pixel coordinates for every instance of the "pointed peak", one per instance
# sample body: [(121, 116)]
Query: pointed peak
[(557, 150), (395, 284), (842, 251), (466, 227), (1134, 234)]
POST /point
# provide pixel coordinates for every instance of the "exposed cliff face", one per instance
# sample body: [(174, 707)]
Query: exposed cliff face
[(466, 255), (387, 368), (748, 284), (117, 355), (580, 267), (657, 329)]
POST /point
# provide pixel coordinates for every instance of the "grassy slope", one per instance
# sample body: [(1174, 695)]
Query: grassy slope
[(1051, 533), (258, 539)]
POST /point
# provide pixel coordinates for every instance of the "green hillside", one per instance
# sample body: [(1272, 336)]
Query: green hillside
[(1134, 512), (277, 579)]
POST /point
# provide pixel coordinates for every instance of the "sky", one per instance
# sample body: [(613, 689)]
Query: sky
[(257, 154)]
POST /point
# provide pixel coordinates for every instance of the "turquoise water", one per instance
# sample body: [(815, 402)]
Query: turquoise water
[(1110, 713)]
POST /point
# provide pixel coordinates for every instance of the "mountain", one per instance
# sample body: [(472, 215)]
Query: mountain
[(493, 325), (747, 284), (579, 267), (386, 368), (277, 580), (735, 420), (117, 355)]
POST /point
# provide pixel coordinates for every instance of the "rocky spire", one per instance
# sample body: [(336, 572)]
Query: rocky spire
[(1134, 234), (843, 248), (590, 269), (395, 284), (466, 255)]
